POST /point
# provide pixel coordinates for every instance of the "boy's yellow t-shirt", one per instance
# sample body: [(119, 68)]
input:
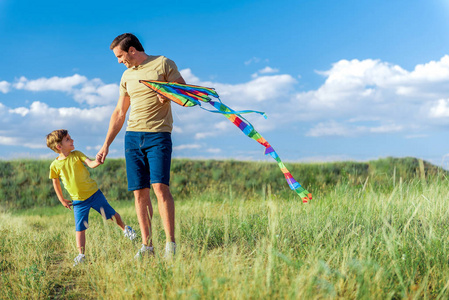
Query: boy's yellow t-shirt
[(75, 176)]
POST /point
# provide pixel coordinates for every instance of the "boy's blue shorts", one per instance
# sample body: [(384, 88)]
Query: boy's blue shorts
[(148, 158), (81, 209)]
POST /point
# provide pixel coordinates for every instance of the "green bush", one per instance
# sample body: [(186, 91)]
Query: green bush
[(25, 183)]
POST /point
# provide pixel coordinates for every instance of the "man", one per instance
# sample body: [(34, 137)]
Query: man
[(148, 143)]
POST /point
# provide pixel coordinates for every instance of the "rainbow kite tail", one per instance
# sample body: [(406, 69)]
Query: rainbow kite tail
[(294, 185), (249, 130)]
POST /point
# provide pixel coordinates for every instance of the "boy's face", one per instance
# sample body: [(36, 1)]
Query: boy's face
[(66, 144)]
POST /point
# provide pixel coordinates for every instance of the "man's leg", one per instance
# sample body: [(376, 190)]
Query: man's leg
[(166, 206), (144, 211)]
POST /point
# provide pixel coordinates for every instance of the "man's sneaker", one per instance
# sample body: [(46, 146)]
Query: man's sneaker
[(144, 251), (129, 233), (170, 250), (79, 259)]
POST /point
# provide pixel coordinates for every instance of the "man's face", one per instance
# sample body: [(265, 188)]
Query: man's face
[(124, 57)]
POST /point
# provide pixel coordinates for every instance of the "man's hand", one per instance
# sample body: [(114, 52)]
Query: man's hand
[(101, 155), (163, 99)]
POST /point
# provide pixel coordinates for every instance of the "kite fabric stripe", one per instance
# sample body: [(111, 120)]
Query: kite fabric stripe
[(191, 95)]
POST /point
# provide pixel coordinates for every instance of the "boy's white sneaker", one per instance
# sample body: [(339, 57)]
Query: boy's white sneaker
[(170, 250), (144, 251), (79, 259), (129, 233)]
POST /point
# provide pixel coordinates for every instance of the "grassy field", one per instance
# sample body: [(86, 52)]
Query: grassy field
[(353, 241)]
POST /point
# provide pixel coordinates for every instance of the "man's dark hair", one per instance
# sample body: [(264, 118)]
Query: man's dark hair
[(125, 41)]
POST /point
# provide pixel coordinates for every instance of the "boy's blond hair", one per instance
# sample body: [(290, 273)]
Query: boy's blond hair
[(55, 138)]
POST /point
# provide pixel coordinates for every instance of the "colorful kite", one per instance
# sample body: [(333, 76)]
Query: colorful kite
[(191, 95)]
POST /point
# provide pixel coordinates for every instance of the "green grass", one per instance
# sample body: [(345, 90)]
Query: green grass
[(350, 242)]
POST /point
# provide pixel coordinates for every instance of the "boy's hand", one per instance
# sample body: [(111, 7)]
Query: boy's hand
[(67, 204)]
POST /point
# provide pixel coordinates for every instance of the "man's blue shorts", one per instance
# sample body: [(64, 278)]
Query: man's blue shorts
[(81, 209), (148, 158)]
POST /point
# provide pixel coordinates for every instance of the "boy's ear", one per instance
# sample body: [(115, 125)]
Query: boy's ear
[(58, 146)]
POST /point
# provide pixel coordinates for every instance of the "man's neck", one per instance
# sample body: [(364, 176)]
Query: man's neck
[(140, 58)]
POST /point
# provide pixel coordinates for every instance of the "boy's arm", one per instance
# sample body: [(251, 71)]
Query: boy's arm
[(92, 163), (57, 186)]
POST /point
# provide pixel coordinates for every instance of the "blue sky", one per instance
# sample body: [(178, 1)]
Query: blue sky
[(338, 80)]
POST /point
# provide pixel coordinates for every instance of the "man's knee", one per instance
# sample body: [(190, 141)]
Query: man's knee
[(142, 195), (162, 191)]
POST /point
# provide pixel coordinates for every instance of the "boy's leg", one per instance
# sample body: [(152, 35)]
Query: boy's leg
[(144, 211), (81, 241), (81, 212), (117, 219), (102, 206), (128, 232)]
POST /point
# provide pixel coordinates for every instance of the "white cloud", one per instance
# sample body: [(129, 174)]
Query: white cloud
[(256, 60), (93, 92), (96, 114), (369, 89), (7, 140), (203, 135), (440, 109), (4, 87), (55, 83), (268, 70), (186, 146), (17, 141), (214, 150), (252, 60), (23, 111), (189, 77), (416, 136), (97, 147), (260, 89), (32, 123), (333, 128), (330, 128)]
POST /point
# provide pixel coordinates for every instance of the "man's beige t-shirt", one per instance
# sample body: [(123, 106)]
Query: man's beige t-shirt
[(147, 113)]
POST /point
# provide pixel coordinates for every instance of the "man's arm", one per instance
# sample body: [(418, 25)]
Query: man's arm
[(57, 186), (163, 99), (115, 125), (180, 80)]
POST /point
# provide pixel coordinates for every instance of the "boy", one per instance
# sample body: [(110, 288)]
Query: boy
[(82, 188)]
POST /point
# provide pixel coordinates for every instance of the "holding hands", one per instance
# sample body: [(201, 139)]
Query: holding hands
[(101, 155)]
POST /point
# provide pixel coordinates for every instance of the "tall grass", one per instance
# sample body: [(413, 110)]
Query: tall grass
[(352, 242)]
